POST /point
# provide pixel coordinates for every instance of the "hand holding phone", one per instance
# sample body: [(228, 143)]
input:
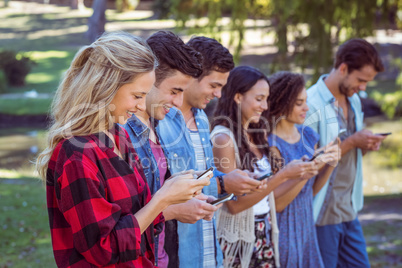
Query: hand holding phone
[(383, 134), (206, 173), (223, 199), (265, 176), (316, 155)]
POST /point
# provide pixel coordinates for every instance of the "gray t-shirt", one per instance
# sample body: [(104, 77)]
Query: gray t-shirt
[(339, 193)]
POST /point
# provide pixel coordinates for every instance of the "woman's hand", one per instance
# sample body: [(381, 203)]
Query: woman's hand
[(181, 187), (299, 169), (331, 156)]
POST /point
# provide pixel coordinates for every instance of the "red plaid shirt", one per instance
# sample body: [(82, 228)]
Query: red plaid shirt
[(92, 195)]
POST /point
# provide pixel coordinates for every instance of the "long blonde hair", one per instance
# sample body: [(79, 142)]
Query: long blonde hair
[(81, 104)]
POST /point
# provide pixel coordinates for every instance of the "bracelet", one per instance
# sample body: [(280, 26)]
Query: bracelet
[(221, 184)]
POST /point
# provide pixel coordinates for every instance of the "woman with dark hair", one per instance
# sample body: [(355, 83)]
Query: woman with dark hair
[(240, 141), (290, 140)]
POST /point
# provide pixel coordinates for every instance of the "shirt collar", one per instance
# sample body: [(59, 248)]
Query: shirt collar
[(137, 126), (324, 92), (174, 112)]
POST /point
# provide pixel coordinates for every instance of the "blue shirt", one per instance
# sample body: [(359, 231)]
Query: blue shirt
[(139, 136), (175, 138), (322, 117)]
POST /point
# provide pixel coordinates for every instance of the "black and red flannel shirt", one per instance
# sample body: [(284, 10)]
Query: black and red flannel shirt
[(92, 194)]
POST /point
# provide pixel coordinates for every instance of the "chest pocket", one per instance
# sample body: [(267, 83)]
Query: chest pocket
[(179, 160)]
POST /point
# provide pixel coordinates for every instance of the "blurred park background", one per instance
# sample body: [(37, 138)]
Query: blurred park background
[(38, 40)]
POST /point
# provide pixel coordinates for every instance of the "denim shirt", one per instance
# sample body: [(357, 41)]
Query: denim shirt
[(175, 139), (323, 119), (139, 135)]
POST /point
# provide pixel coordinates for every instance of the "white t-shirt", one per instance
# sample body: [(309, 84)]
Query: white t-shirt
[(262, 167)]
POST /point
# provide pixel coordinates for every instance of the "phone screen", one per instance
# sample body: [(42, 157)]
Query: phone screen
[(384, 134), (316, 155), (206, 172), (264, 176), (223, 199)]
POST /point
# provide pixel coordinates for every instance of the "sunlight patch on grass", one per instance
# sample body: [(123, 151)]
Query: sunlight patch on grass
[(9, 174), (39, 78), (40, 55)]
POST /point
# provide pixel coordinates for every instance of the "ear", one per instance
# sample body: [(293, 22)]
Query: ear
[(343, 68), (238, 97)]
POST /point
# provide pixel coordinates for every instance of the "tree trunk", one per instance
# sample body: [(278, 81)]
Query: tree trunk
[(74, 4), (96, 23)]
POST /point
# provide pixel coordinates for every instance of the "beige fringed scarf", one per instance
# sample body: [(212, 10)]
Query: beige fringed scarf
[(236, 232)]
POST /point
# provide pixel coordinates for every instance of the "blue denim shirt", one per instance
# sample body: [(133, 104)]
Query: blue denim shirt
[(322, 118), (175, 138), (139, 135)]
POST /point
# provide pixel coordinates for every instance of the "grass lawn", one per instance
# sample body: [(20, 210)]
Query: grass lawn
[(382, 170), (25, 237)]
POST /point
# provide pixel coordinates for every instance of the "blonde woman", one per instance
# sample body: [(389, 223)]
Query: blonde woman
[(100, 208)]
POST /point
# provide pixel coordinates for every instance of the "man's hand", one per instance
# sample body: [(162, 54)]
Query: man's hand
[(192, 211), (366, 140), (239, 182)]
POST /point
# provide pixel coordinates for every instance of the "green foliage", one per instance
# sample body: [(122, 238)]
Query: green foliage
[(125, 5), (213, 10), (391, 103), (3, 82), (15, 67), (162, 8), (316, 26), (25, 106)]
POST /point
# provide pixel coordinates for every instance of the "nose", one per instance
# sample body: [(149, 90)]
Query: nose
[(363, 86), (218, 92), (178, 100), (141, 105), (264, 105), (306, 108)]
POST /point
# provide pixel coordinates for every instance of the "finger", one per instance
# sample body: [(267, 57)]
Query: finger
[(208, 208), (202, 197), (304, 158), (196, 193), (190, 171), (253, 184)]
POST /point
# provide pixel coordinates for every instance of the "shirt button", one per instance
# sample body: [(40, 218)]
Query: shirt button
[(203, 139), (207, 158), (157, 178), (198, 124), (175, 155)]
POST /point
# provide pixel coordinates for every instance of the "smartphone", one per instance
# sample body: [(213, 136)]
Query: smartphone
[(221, 200), (341, 131), (384, 134), (265, 176), (206, 173), (316, 155)]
